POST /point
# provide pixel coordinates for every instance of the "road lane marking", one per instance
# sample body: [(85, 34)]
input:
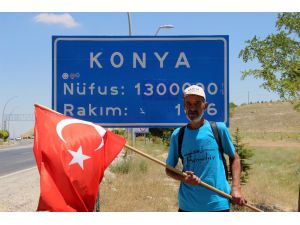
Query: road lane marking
[(20, 171), (16, 147)]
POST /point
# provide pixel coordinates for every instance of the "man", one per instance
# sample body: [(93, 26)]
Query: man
[(202, 159)]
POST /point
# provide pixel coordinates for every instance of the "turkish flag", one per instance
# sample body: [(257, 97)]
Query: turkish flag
[(71, 156)]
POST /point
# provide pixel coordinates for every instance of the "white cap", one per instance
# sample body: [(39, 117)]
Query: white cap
[(194, 90)]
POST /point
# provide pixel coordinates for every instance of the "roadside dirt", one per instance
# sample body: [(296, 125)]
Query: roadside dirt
[(20, 192)]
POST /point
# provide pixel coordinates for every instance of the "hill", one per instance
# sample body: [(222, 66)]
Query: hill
[(272, 131), (267, 121)]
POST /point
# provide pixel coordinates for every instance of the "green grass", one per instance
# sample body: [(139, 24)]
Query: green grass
[(143, 187), (122, 167), (275, 176), (271, 130), (273, 136), (130, 165), (267, 118), (280, 163)]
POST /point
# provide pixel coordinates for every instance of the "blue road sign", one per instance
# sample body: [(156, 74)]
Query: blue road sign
[(138, 81)]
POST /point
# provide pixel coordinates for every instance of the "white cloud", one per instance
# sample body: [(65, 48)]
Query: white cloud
[(50, 18)]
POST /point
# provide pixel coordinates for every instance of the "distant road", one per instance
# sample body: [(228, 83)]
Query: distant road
[(17, 158)]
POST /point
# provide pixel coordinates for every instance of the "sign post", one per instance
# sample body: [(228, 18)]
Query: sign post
[(138, 81)]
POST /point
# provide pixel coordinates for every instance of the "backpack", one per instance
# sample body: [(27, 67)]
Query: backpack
[(215, 131)]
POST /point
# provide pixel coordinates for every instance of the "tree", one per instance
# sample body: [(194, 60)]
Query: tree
[(162, 133), (279, 58), (232, 108), (245, 155), (4, 134)]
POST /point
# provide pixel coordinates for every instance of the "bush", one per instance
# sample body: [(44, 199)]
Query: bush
[(128, 165), (4, 134), (120, 132), (156, 140), (123, 167), (143, 166), (245, 155)]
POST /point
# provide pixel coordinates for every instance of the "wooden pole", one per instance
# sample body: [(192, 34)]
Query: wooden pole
[(184, 174), (177, 171)]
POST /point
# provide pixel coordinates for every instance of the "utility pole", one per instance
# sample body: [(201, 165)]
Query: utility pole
[(131, 130), (248, 96)]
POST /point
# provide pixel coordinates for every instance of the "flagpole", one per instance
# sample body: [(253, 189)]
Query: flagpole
[(184, 175), (168, 167)]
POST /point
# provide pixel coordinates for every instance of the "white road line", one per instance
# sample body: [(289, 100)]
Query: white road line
[(16, 147), (20, 171)]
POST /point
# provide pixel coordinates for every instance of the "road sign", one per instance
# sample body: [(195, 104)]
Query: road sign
[(141, 130), (138, 81)]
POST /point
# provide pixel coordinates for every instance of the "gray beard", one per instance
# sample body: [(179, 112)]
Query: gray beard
[(197, 120)]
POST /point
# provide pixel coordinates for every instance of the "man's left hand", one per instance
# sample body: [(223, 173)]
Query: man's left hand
[(237, 196)]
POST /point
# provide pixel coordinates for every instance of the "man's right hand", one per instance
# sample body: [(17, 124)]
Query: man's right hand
[(191, 178)]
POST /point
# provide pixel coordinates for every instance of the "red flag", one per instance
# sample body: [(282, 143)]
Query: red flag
[(71, 156)]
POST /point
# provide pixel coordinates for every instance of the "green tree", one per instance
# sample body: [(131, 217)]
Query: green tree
[(4, 134), (279, 57), (157, 132), (232, 108), (162, 133), (245, 155)]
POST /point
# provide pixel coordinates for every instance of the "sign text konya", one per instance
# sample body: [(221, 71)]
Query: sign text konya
[(138, 81)]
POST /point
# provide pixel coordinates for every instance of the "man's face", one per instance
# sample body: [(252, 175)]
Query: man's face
[(194, 106)]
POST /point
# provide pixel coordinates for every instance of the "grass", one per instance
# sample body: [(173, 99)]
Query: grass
[(274, 179), (273, 183), (129, 165), (143, 188), (122, 167), (271, 130), (269, 119), (273, 136)]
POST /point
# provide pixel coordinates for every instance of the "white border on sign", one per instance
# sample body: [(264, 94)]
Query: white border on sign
[(139, 39)]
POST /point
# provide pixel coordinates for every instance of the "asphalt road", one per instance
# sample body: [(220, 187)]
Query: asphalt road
[(16, 158)]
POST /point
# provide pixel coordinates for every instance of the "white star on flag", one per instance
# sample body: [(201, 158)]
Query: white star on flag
[(78, 157)]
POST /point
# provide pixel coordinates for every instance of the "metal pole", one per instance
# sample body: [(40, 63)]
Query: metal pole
[(157, 31), (98, 202), (130, 33), (8, 119), (163, 26), (129, 23), (299, 200), (3, 127), (133, 136)]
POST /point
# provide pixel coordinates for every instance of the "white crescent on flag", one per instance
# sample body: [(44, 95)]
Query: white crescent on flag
[(63, 123)]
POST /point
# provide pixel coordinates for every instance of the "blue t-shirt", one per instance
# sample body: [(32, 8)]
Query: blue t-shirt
[(201, 155)]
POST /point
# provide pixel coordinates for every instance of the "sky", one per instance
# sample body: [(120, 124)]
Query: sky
[(25, 43), (25, 57)]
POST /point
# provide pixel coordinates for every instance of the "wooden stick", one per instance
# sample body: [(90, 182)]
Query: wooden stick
[(184, 174)]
